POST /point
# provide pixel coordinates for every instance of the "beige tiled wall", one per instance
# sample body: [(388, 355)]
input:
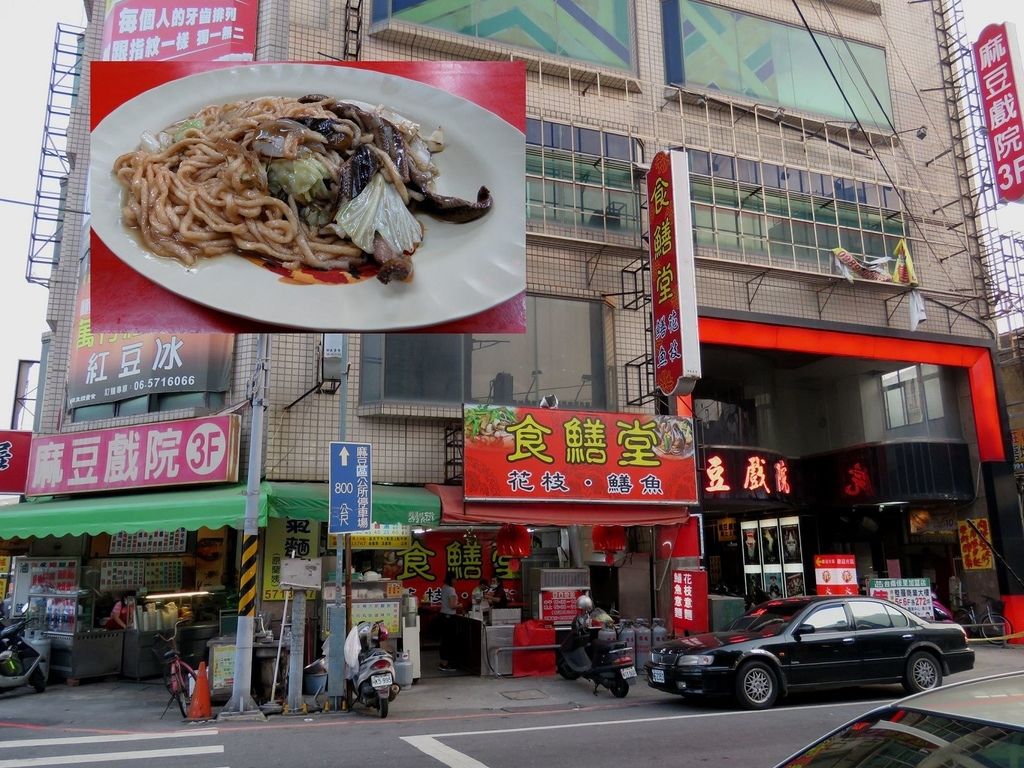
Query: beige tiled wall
[(408, 441)]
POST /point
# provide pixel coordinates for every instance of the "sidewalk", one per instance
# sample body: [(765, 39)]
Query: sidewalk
[(125, 705)]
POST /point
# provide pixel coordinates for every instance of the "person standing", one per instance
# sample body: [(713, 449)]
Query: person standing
[(496, 595), (449, 604)]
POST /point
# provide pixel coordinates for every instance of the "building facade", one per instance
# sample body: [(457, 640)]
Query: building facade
[(847, 312)]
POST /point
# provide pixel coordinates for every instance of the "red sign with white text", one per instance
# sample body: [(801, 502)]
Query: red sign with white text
[(997, 63), (835, 574), (673, 274), (689, 602), (514, 454), (159, 30), (559, 605), (14, 450), (139, 456)]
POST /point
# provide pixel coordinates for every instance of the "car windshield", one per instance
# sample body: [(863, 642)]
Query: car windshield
[(773, 614), (907, 738)]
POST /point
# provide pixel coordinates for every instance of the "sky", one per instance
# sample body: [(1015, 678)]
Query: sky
[(26, 49)]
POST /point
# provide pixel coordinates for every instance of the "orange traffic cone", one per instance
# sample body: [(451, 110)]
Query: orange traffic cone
[(200, 708)]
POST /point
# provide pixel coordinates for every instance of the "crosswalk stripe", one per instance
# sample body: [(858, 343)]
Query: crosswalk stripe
[(115, 738), (139, 754)]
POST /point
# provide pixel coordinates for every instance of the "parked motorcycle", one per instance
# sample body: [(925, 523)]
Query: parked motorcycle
[(941, 612), (602, 662), (21, 663), (370, 668)]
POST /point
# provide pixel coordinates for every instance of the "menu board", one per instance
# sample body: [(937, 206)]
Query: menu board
[(135, 573), (60, 576), (148, 542)]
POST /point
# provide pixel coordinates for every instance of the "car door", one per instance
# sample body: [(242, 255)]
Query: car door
[(883, 637), (828, 655)]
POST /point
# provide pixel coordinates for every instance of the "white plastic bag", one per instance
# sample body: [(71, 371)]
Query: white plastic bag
[(352, 648)]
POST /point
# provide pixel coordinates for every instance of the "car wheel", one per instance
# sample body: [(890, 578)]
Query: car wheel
[(756, 685), (923, 673)]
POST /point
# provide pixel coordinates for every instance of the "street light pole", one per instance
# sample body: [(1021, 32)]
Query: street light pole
[(241, 703), (342, 602)]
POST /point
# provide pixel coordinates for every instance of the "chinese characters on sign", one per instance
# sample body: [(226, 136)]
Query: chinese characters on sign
[(673, 275), (835, 574), (158, 30), (109, 367), (145, 455), (14, 460), (736, 474), (913, 594), (148, 542), (287, 538), (997, 63), (559, 605), (976, 553), (532, 453), (689, 602)]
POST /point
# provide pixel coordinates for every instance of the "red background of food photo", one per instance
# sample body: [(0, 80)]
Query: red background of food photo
[(123, 300)]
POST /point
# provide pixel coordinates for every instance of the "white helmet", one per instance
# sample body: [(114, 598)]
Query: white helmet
[(584, 603)]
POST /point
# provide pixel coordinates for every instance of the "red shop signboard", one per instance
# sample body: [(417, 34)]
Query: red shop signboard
[(559, 605), (14, 451), (469, 557), (515, 454), (836, 574), (997, 60), (689, 602)]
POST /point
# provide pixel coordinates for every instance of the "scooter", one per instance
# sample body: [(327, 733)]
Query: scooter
[(370, 669), (602, 662), (20, 662)]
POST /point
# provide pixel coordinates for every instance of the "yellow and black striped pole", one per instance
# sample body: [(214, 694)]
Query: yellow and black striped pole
[(241, 703), (247, 582)]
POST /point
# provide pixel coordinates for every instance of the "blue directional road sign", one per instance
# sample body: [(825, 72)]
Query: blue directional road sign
[(351, 479)]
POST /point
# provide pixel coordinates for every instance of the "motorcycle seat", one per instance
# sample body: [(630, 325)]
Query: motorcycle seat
[(8, 632)]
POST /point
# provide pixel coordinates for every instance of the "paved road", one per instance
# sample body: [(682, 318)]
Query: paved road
[(455, 722)]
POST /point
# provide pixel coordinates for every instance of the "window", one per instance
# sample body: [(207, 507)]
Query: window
[(563, 354), (902, 397), (896, 618), (829, 619), (867, 615), (600, 34), (773, 63)]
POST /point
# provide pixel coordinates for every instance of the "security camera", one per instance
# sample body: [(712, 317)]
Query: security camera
[(549, 401)]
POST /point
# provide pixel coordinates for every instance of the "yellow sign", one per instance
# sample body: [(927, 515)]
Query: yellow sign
[(387, 611), (382, 537), (285, 538)]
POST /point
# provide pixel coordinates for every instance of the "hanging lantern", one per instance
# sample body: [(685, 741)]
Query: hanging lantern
[(514, 543), (609, 539)]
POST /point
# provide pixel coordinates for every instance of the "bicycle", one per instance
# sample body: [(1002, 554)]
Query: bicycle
[(990, 625), (179, 677)]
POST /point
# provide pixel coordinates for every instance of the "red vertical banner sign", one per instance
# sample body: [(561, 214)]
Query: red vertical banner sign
[(14, 453), (673, 274), (689, 602), (997, 62)]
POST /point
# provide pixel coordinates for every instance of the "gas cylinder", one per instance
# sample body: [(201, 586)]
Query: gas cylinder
[(658, 633), (643, 643), (607, 633), (627, 635)]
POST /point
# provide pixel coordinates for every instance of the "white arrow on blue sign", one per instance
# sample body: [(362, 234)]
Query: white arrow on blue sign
[(351, 478)]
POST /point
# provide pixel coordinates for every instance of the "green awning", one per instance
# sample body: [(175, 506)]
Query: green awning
[(392, 504), (164, 510)]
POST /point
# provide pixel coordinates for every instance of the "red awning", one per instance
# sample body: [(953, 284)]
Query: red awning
[(455, 509)]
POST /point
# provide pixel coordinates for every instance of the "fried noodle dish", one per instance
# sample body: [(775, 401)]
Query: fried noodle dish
[(308, 183)]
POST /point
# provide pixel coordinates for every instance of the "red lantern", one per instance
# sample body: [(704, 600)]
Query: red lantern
[(609, 539), (513, 542)]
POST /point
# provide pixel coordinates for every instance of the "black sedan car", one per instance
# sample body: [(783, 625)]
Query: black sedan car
[(811, 643)]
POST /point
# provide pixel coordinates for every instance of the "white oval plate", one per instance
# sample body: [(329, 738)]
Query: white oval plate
[(459, 269)]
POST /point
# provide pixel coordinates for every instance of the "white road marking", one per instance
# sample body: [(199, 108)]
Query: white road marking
[(430, 746), (116, 738), (141, 754)]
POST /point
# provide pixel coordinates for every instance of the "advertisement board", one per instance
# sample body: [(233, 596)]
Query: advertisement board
[(186, 452), (559, 605), (284, 539), (513, 454), (836, 574), (913, 594), (689, 602), (673, 275), (974, 544), (15, 447), (430, 277), (997, 62)]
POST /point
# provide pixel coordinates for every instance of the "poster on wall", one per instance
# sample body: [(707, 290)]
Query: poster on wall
[(795, 582), (211, 557), (774, 581), (751, 547), (836, 574), (974, 546), (769, 532), (792, 550)]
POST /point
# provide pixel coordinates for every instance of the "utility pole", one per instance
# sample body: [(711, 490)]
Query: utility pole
[(340, 620), (241, 704)]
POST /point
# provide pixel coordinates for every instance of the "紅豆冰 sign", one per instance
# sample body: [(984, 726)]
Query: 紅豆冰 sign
[(139, 456), (540, 454), (997, 61), (673, 275)]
